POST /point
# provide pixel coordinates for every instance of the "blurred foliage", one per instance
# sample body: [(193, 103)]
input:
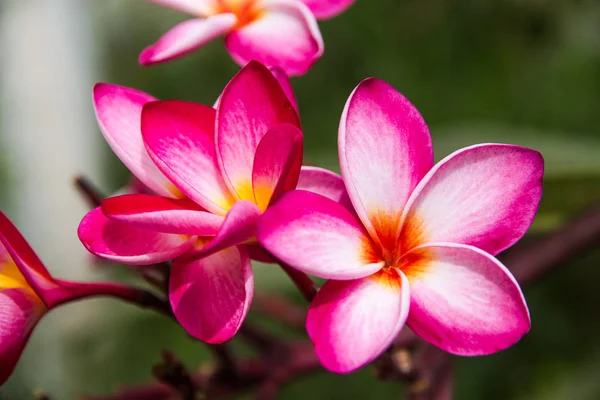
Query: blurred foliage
[(514, 71)]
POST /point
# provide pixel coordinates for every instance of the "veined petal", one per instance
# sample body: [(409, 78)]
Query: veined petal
[(238, 227), (193, 7), (385, 150), (162, 214), (463, 300), (323, 9), (180, 139), (211, 296), (186, 37), (286, 34), (124, 243), (324, 182), (286, 85), (118, 111), (277, 164), (352, 322), (484, 196), (21, 310), (318, 236), (252, 103)]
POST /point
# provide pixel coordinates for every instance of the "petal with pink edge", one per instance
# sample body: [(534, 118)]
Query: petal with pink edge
[(211, 296), (352, 322), (318, 236), (162, 214), (286, 85), (180, 139), (385, 150), (285, 35), (252, 103), (193, 7), (324, 182), (323, 9), (124, 243), (484, 196), (277, 164), (15, 249), (186, 37), (21, 310), (463, 300), (118, 111), (239, 226)]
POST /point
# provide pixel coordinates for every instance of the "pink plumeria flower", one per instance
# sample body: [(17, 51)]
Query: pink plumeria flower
[(275, 32), (213, 173), (419, 249), (28, 292)]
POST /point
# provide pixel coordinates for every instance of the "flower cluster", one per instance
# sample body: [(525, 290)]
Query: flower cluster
[(401, 241)]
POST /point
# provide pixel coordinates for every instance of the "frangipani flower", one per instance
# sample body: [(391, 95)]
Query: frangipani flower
[(27, 292), (418, 246), (214, 172), (280, 33)]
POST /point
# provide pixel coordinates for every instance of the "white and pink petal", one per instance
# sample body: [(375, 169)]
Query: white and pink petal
[(353, 322), (484, 196), (284, 35), (463, 300), (186, 37), (385, 149), (323, 9), (317, 236)]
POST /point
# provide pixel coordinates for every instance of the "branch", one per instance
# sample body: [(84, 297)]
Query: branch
[(531, 261), (89, 191)]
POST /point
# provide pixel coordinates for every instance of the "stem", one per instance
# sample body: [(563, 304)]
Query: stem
[(72, 291), (92, 194), (302, 281)]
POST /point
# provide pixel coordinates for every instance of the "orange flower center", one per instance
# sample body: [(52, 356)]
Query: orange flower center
[(246, 11)]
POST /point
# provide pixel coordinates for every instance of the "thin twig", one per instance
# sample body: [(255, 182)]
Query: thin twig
[(89, 191)]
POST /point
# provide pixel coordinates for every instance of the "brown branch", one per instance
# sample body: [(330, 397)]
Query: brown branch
[(305, 285), (531, 261)]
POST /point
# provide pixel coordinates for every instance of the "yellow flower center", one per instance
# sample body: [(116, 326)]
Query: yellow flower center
[(246, 11)]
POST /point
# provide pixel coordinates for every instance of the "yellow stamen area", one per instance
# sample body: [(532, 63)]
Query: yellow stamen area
[(389, 278), (259, 194), (246, 11), (12, 278)]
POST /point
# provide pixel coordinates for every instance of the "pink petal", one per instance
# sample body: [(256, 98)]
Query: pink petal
[(193, 7), (186, 37), (385, 150), (239, 226), (162, 214), (180, 139), (118, 110), (211, 296), (124, 243), (463, 300), (484, 196), (252, 103), (21, 310), (277, 164), (318, 236), (15, 249), (285, 35), (352, 322), (323, 9), (286, 85), (323, 182)]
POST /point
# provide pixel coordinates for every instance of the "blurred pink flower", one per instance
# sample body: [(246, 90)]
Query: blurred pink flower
[(418, 246), (214, 172), (280, 33), (27, 292)]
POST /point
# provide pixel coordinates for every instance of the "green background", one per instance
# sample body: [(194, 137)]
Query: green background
[(524, 72)]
